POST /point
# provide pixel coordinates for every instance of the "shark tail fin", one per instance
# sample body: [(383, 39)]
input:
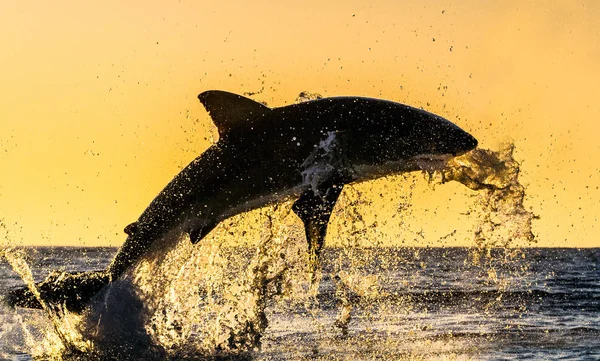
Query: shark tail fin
[(72, 291)]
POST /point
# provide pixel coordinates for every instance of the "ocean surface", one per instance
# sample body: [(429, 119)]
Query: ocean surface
[(395, 304)]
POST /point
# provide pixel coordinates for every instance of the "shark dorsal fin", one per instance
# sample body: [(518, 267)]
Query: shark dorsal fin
[(228, 109)]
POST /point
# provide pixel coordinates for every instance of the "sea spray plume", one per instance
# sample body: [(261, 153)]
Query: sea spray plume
[(305, 152), (66, 339), (503, 221), (196, 303), (69, 341)]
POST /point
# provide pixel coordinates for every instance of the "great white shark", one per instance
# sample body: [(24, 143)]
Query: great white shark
[(306, 151)]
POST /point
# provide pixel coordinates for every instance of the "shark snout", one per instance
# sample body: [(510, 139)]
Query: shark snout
[(465, 143), (446, 137), (454, 141)]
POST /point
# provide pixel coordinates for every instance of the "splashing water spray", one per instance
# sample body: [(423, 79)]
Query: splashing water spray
[(69, 341), (502, 219)]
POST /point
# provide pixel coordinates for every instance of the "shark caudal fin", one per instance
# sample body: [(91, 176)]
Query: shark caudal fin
[(72, 291)]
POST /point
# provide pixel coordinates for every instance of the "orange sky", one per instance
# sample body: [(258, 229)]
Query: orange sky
[(99, 107)]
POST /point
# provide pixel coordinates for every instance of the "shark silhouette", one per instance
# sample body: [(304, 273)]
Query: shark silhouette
[(306, 151)]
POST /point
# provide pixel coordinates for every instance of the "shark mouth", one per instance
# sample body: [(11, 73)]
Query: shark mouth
[(432, 162)]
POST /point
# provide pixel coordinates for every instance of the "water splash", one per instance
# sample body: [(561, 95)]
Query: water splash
[(190, 300), (307, 96), (502, 219), (62, 338), (503, 224)]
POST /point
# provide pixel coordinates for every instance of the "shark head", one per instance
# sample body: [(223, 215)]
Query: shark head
[(429, 134), (394, 137), (440, 141)]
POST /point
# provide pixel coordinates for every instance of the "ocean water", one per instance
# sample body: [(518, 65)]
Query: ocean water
[(393, 304)]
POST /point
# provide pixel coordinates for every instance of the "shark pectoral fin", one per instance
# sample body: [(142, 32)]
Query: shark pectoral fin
[(314, 209), (228, 109), (197, 234)]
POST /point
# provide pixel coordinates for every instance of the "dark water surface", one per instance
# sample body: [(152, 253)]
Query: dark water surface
[(441, 303)]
